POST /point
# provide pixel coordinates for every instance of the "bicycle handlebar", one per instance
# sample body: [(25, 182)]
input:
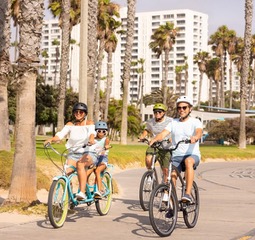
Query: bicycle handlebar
[(158, 144)]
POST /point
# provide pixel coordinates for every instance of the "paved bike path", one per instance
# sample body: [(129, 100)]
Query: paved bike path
[(227, 210)]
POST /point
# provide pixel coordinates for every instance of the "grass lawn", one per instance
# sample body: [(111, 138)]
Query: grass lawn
[(123, 156)]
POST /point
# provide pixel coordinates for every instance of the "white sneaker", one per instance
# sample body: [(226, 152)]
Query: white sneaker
[(149, 179), (81, 196), (165, 197)]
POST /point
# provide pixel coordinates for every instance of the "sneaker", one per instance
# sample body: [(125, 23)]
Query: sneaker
[(149, 179), (98, 194), (81, 196), (186, 198), (170, 213)]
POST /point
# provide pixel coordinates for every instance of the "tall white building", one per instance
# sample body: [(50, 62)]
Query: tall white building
[(192, 38)]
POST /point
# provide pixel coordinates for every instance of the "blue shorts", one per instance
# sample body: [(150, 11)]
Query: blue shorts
[(93, 156), (74, 156), (179, 161), (102, 159)]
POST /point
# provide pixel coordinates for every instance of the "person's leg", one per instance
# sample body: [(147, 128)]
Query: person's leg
[(148, 158), (100, 168), (189, 174), (85, 161)]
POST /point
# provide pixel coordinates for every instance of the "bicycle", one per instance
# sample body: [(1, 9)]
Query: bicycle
[(150, 178), (62, 193), (163, 214)]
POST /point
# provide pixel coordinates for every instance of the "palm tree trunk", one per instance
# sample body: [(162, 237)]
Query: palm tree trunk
[(99, 76), (23, 180), (245, 70), (92, 53), (5, 65), (66, 33), (126, 69), (109, 85), (164, 82)]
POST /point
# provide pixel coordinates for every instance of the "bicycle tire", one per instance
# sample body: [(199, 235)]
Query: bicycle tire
[(58, 200), (103, 205), (146, 188), (162, 224), (191, 211)]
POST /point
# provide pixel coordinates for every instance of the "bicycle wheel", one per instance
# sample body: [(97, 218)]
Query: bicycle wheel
[(147, 184), (103, 205), (58, 203), (191, 211), (163, 214)]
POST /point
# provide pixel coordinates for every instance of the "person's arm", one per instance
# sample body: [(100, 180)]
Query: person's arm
[(160, 136), (107, 144), (59, 135), (91, 139), (197, 136), (144, 134)]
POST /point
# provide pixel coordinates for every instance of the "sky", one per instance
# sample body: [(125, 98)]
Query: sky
[(220, 12)]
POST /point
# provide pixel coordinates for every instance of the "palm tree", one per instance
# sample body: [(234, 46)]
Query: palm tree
[(126, 68), (162, 42), (219, 41), (92, 55), (5, 66), (141, 72), (132, 80), (213, 74), (245, 70), (178, 78), (24, 167), (56, 43), (231, 49), (69, 15), (45, 55), (186, 74), (201, 58), (107, 23), (72, 42), (110, 47)]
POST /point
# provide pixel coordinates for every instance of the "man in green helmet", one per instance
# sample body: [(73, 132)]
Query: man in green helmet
[(153, 127)]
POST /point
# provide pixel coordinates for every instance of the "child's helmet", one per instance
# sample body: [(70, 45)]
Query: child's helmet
[(80, 106), (101, 125)]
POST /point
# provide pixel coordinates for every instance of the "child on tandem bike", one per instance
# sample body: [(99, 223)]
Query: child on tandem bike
[(98, 149)]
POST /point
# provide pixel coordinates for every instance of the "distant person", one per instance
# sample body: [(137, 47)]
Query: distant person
[(187, 156), (153, 127)]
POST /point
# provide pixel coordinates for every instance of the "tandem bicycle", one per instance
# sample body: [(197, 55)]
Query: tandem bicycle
[(62, 193)]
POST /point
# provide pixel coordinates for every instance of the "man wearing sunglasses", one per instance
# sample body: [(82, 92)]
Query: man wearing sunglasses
[(187, 156), (153, 127)]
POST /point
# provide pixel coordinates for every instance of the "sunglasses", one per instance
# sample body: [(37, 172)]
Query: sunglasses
[(78, 112), (157, 111), (101, 131), (184, 108)]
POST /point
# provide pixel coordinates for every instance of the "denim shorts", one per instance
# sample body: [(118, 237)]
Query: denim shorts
[(102, 159), (93, 156), (74, 156), (179, 161)]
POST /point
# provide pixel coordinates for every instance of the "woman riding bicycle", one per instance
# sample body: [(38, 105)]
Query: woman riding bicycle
[(79, 131), (187, 156)]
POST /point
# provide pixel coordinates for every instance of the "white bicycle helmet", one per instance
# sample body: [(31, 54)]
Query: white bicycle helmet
[(185, 99)]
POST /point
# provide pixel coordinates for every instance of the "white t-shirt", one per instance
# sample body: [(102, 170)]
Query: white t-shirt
[(78, 136), (181, 131)]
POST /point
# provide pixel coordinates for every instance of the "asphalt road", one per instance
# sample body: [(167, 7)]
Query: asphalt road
[(227, 210)]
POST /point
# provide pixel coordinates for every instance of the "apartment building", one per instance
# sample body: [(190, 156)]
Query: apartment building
[(192, 38)]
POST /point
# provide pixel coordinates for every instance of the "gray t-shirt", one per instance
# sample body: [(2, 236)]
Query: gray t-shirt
[(155, 128)]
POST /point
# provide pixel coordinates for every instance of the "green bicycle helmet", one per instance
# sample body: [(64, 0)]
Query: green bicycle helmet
[(160, 106), (101, 125)]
